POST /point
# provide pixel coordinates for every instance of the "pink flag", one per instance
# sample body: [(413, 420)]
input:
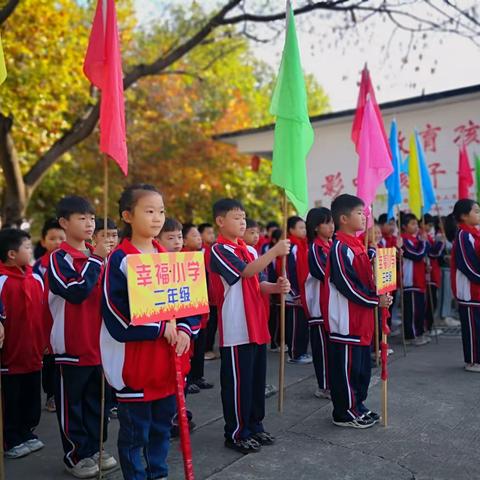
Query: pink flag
[(103, 67), (366, 91), (465, 176), (374, 164)]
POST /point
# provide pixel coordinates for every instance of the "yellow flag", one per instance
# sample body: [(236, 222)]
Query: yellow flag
[(414, 182), (3, 68)]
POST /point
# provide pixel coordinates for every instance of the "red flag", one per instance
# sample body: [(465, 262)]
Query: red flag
[(366, 90), (465, 176), (103, 67)]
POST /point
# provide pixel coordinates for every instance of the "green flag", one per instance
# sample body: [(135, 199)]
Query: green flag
[(293, 132), (477, 175)]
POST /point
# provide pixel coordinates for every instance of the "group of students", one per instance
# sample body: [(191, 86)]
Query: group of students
[(72, 310)]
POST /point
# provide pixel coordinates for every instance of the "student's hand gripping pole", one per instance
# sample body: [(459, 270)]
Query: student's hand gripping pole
[(384, 345), (281, 370), (185, 443)]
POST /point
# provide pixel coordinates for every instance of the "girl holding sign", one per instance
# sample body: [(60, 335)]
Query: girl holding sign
[(466, 278), (137, 360)]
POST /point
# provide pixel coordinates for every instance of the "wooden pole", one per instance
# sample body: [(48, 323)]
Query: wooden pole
[(385, 389), (377, 339), (400, 279), (281, 370), (102, 388)]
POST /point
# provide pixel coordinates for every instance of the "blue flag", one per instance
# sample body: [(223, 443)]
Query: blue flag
[(428, 193), (392, 183)]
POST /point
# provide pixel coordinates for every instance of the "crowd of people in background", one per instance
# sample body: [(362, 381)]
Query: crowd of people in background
[(66, 318)]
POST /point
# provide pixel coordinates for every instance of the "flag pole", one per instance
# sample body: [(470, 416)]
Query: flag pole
[(185, 442), (377, 330), (400, 279), (384, 366), (281, 370), (102, 387), (429, 284)]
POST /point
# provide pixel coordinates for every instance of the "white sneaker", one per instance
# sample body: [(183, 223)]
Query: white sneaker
[(85, 468), (451, 322), (420, 341), (34, 445), (435, 332), (473, 367), (390, 351), (323, 393), (108, 461), (18, 452)]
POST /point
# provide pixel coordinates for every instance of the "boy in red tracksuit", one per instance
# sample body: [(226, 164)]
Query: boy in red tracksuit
[(73, 291), (415, 251), (243, 327), (387, 227), (52, 237), (21, 294), (349, 304)]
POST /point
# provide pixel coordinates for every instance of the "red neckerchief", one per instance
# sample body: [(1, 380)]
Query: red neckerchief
[(324, 245), (255, 314), (129, 248), (73, 252), (363, 266), (45, 259), (412, 238), (14, 271)]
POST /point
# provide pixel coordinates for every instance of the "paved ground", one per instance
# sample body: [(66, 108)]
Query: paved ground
[(433, 432)]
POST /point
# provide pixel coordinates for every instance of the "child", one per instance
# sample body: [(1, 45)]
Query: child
[(192, 242), (387, 228), (349, 303), (111, 238), (271, 272), (465, 277), (320, 228), (415, 251), (51, 239), (296, 327), (171, 238), (138, 360), (434, 273), (243, 327), (208, 239), (74, 295), (252, 233), (21, 293)]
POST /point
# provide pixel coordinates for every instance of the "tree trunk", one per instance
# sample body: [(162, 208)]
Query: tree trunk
[(15, 197)]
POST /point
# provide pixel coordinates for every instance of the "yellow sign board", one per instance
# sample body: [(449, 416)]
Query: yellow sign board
[(386, 270), (164, 286)]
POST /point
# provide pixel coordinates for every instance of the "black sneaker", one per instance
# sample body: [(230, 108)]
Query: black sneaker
[(193, 388), (245, 446), (264, 438), (373, 415), (202, 384), (359, 422)]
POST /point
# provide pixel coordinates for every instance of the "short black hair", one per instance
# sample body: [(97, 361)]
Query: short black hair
[(251, 223), (276, 235), (203, 226), (186, 228), (73, 204), (463, 207), (344, 205), (11, 239), (292, 221), (171, 225), (406, 218), (50, 224), (225, 205), (272, 224), (383, 219), (100, 224), (427, 218), (316, 217)]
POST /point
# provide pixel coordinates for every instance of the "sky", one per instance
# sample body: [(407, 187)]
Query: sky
[(442, 62)]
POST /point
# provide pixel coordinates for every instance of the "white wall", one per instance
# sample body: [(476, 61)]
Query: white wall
[(333, 154)]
